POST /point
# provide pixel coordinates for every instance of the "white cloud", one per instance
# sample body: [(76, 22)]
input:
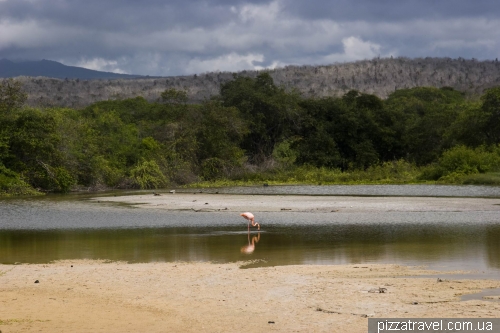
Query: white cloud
[(231, 62), (354, 49), (260, 13), (100, 64), (273, 65)]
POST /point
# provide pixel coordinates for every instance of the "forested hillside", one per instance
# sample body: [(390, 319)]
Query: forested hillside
[(253, 131), (380, 77)]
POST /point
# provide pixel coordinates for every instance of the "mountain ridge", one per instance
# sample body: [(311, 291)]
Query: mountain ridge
[(379, 76), (54, 69)]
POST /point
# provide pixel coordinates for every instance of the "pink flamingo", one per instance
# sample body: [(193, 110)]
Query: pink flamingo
[(249, 216)]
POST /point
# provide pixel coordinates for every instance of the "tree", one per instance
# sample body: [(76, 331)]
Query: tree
[(33, 152), (219, 137), (270, 112), (422, 118), (316, 139), (174, 96), (11, 96), (491, 118)]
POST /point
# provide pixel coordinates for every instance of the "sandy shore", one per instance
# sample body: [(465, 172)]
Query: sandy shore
[(303, 203), (93, 296)]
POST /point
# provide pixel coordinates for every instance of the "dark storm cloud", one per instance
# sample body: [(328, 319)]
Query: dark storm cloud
[(184, 37), (115, 15), (392, 10)]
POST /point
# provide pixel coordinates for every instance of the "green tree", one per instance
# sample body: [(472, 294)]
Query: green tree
[(491, 119), (423, 116), (316, 139), (271, 113), (219, 137), (349, 132), (12, 97), (33, 151), (174, 96)]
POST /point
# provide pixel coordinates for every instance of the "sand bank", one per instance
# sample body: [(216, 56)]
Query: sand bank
[(303, 203), (95, 296)]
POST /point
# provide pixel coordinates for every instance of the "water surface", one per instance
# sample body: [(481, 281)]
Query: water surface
[(40, 230)]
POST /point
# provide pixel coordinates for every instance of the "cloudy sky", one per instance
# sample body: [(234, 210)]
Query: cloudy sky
[(177, 37)]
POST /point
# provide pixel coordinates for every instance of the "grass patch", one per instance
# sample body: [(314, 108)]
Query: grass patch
[(492, 178), (397, 172)]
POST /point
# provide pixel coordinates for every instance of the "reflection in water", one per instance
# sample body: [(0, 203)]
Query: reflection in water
[(493, 245), (248, 249), (460, 246)]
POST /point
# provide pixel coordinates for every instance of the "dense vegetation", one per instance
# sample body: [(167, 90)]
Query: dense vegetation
[(254, 131)]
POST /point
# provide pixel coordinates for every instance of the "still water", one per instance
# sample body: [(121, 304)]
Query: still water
[(40, 230)]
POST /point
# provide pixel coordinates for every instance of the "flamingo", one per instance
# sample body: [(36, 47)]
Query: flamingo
[(249, 216)]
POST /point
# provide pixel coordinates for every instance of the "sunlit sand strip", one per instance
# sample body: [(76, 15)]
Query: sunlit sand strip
[(94, 296), (301, 203)]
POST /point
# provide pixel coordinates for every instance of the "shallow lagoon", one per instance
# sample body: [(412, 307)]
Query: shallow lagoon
[(38, 230)]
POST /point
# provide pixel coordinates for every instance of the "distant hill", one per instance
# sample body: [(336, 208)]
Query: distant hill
[(377, 76), (54, 69)]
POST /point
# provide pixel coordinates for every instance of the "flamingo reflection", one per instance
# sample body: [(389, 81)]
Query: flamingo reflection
[(248, 249)]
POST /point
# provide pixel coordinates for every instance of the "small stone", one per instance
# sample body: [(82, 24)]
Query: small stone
[(37, 281), (270, 322)]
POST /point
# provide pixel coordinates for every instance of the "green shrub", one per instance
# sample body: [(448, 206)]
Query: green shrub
[(12, 184), (147, 174), (63, 179), (284, 154), (212, 168), (457, 163)]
